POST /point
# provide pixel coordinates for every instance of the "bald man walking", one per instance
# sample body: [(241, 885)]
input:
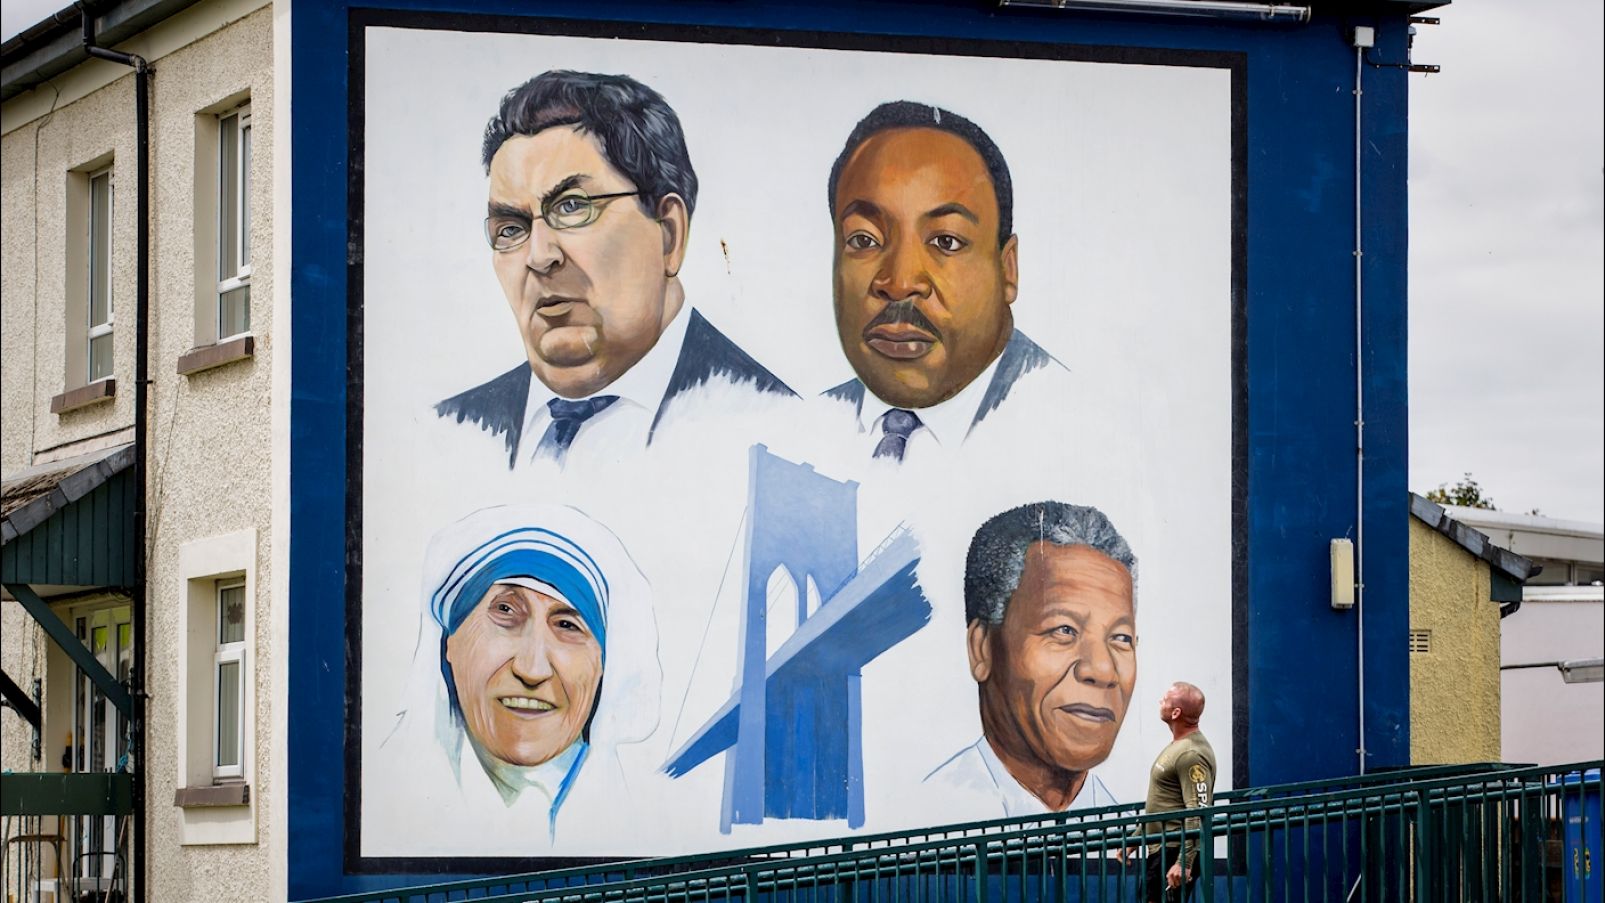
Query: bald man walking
[(1183, 777)]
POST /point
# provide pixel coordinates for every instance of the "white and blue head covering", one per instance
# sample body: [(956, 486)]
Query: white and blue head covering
[(559, 551), (536, 557)]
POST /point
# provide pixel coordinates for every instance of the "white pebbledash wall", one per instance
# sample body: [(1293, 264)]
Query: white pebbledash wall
[(211, 467)]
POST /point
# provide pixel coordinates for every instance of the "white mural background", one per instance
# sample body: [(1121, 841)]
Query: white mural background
[(1122, 180)]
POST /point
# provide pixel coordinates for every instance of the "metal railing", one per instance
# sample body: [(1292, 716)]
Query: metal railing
[(63, 858), (1427, 835)]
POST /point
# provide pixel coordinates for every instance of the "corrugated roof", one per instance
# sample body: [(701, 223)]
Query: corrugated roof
[(1486, 518)]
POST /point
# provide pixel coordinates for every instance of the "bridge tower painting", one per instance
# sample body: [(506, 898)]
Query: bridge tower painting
[(793, 724)]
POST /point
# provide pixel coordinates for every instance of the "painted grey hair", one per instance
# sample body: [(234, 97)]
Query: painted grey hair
[(996, 559)]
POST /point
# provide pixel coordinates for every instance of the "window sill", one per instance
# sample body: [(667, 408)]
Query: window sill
[(207, 357), (82, 397), (235, 793)]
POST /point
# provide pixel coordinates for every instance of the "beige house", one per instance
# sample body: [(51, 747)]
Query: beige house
[(1461, 587), (198, 789)]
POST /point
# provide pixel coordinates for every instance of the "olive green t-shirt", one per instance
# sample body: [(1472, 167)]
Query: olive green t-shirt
[(1183, 778)]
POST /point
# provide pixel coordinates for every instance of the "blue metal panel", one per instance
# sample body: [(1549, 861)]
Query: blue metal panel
[(1302, 712), (1296, 657)]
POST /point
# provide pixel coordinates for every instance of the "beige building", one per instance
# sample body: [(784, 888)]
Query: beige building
[(1461, 587), (204, 797)]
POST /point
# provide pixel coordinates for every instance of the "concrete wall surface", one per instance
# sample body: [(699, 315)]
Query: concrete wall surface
[(1548, 721), (210, 450), (1454, 687)]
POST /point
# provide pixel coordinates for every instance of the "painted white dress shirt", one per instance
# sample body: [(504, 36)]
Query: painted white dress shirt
[(977, 770), (623, 424), (942, 425)]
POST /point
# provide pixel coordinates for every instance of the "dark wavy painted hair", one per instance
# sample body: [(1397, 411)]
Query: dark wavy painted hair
[(906, 114), (638, 130)]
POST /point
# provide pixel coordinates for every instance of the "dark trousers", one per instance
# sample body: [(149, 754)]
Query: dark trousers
[(1155, 891)]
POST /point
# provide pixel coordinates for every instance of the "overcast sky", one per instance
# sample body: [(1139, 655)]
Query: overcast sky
[(1507, 252), (1506, 234)]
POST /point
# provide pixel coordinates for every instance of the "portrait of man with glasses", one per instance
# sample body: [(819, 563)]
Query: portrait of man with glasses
[(590, 202)]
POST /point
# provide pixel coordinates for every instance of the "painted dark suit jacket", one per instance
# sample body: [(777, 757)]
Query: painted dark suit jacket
[(1020, 356), (498, 406)]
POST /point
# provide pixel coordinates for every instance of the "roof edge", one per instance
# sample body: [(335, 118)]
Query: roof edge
[(72, 487), (1514, 566), (55, 45)]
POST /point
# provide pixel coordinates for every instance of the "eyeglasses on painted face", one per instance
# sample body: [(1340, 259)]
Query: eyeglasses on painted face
[(572, 210)]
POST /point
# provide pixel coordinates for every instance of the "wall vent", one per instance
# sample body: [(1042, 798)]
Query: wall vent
[(1421, 641)]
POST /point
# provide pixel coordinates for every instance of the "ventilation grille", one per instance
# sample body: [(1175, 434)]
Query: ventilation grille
[(1421, 641)]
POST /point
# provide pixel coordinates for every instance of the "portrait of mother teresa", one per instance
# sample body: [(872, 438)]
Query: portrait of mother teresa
[(537, 659)]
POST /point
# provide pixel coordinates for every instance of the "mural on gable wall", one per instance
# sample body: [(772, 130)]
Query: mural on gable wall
[(760, 443)]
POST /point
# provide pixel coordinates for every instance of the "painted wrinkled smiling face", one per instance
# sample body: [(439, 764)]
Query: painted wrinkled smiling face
[(922, 286), (527, 671), (590, 301), (1060, 669)]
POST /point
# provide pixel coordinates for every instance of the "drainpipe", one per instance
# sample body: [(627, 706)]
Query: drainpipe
[(136, 678), (1363, 37)]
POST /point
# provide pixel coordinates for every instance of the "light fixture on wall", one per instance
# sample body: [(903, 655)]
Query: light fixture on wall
[(1342, 554), (1582, 670)]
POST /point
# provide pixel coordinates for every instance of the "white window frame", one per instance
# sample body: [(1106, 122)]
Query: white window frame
[(238, 122), (202, 564), (99, 271), (228, 653)]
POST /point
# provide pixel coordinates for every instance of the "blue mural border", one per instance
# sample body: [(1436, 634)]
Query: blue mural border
[(1307, 443)]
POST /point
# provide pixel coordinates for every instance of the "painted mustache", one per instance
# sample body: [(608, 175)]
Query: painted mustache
[(903, 313)]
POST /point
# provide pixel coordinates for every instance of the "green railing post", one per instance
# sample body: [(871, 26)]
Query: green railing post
[(1532, 844), (1206, 855), (1423, 847)]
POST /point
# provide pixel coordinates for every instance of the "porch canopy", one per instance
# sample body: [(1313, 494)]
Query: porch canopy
[(67, 527)]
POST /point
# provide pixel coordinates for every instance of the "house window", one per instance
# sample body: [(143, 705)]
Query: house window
[(99, 276), (228, 669), (234, 223), (216, 692)]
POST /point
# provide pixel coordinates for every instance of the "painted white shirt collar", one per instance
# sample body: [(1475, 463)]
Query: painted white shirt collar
[(947, 422), (640, 388), (1019, 801)]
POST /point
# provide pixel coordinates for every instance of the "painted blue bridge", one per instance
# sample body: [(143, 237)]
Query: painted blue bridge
[(793, 724)]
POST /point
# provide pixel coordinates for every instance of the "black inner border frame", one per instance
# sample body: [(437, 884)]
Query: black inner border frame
[(361, 19)]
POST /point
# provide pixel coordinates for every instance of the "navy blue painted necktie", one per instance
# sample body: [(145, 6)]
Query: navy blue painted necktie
[(567, 418), (897, 425)]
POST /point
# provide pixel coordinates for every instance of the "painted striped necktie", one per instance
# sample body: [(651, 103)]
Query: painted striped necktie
[(897, 425), (567, 418)]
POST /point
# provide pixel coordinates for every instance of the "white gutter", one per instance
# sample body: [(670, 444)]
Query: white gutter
[(1264, 12)]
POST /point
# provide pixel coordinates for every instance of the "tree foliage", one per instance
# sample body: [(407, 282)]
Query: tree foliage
[(1466, 494)]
